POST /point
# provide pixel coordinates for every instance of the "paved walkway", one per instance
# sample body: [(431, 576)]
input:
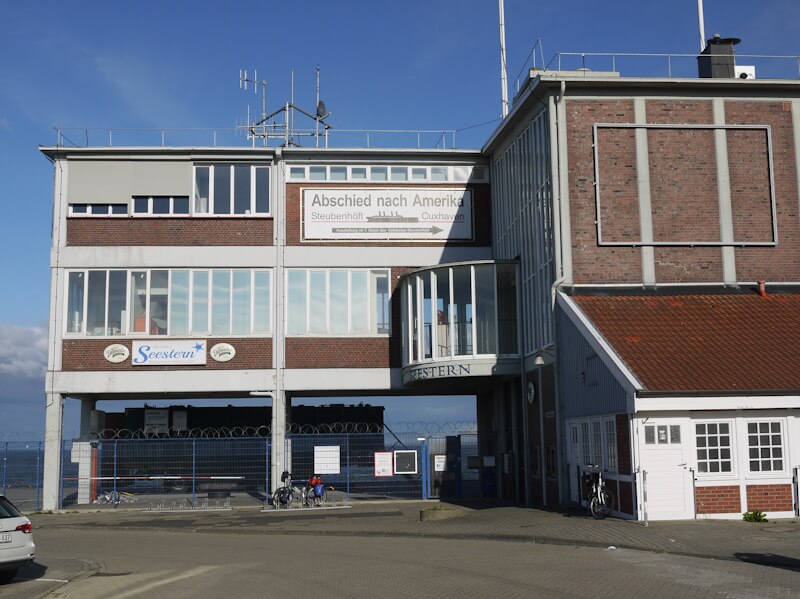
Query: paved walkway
[(776, 543)]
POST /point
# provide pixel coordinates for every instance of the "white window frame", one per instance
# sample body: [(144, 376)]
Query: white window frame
[(212, 166), (370, 320), (109, 214), (666, 444), (150, 214), (301, 173), (746, 448), (126, 333), (732, 433)]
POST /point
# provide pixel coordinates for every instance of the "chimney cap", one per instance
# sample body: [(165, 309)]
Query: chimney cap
[(724, 41)]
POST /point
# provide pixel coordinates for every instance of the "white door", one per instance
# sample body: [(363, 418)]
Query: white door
[(668, 488)]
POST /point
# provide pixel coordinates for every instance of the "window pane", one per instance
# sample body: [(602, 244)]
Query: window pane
[(462, 310), (419, 173), (261, 301), (318, 313), (75, 303), (485, 309), (507, 308), (359, 304), (427, 314), (161, 205), (443, 312), (220, 302), (358, 173), (378, 173), (297, 172), (438, 173), (79, 208), (240, 317), (649, 435), (96, 304), (222, 189), (159, 313), (241, 189), (138, 302), (317, 173), (179, 303), (99, 208), (338, 297), (262, 190), (381, 316), (201, 189), (675, 433), (117, 298), (338, 173), (296, 300), (399, 173), (141, 205), (180, 205), (200, 301), (119, 209)]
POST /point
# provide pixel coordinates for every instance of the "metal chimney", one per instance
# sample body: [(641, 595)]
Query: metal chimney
[(718, 59)]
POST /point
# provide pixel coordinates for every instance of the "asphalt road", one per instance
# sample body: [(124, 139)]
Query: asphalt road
[(92, 562)]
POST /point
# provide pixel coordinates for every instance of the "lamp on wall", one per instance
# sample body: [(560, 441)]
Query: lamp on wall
[(539, 361)]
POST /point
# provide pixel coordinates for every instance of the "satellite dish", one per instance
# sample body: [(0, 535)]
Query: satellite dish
[(322, 112)]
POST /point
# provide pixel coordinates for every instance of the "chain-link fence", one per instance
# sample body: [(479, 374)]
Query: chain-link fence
[(357, 465)]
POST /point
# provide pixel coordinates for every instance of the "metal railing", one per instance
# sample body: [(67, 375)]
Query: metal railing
[(643, 64), (85, 137)]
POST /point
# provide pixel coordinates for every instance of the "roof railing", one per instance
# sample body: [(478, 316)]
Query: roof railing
[(669, 65), (239, 137)]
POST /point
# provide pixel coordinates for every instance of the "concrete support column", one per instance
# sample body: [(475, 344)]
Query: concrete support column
[(278, 427), (724, 186), (54, 418), (643, 183)]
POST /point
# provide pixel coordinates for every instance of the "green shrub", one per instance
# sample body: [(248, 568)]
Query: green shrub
[(754, 516)]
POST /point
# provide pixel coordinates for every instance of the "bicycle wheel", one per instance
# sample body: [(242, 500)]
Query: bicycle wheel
[(601, 506)]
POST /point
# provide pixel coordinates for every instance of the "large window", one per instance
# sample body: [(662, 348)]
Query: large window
[(713, 441), (338, 302), (231, 190), (168, 302), (765, 444)]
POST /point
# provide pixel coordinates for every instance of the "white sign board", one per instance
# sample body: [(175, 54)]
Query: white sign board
[(161, 353), (433, 214), (439, 463), (383, 463), (180, 421), (326, 459), (156, 422)]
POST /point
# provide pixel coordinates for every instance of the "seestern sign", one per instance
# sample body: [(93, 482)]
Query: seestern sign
[(161, 353)]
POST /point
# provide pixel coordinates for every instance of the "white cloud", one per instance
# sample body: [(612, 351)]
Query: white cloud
[(23, 351)]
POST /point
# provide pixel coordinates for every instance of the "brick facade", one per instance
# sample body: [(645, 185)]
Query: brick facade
[(87, 355), (194, 231), (481, 217), (684, 191), (337, 352), (718, 500), (769, 498)]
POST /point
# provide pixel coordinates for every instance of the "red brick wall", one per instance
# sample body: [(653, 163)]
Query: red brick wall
[(138, 231), (337, 352), (781, 263), (718, 500), (481, 218), (684, 191), (769, 498), (87, 354)]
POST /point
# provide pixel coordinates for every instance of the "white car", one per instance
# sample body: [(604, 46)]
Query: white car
[(16, 540)]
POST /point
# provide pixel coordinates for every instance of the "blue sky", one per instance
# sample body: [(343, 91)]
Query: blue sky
[(409, 65)]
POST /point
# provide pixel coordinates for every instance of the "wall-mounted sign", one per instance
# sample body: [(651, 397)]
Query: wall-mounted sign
[(160, 353), (116, 353), (383, 464), (222, 352), (326, 459), (405, 461), (156, 422), (432, 214), (439, 463)]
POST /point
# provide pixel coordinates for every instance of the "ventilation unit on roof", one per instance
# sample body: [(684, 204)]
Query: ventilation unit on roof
[(718, 59)]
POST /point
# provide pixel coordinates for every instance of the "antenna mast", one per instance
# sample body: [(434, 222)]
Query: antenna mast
[(701, 24), (503, 75)]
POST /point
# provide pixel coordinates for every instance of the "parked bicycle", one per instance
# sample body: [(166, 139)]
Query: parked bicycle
[(600, 500), (111, 497), (283, 496), (315, 494)]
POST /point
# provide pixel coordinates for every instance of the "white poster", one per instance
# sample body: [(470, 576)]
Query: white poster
[(326, 459), (432, 214), (160, 353), (383, 463), (439, 463)]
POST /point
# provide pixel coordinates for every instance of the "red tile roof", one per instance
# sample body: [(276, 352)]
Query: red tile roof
[(705, 343)]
